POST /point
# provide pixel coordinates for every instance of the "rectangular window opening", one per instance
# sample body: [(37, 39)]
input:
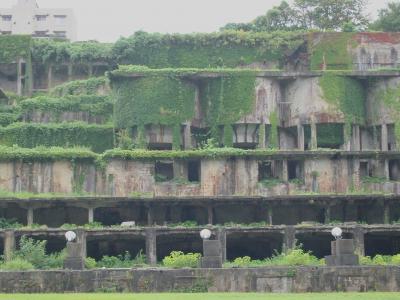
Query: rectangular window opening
[(164, 171)]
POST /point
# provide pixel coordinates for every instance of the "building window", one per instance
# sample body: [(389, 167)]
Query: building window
[(164, 171), (6, 18), (60, 34), (40, 18), (60, 19), (40, 33)]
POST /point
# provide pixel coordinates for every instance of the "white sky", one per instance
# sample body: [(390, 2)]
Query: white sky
[(107, 20)]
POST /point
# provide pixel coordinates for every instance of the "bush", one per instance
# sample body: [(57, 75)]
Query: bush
[(122, 261), (34, 252), (17, 264), (9, 223), (90, 263), (178, 259)]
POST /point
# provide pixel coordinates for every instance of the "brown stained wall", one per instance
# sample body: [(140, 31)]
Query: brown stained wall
[(307, 104), (217, 177), (129, 177)]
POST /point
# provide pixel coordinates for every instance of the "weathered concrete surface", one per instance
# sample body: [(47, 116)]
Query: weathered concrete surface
[(275, 279)]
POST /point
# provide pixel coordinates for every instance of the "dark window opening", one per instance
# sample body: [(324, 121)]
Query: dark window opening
[(256, 246), (159, 146), (318, 243), (265, 170), (97, 247), (164, 171), (187, 243), (245, 136), (194, 171), (330, 136), (199, 136), (391, 137), (394, 169), (365, 170), (382, 243), (295, 170)]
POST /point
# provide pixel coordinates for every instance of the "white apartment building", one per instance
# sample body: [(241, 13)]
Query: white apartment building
[(27, 18)]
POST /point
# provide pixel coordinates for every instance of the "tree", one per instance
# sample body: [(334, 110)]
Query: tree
[(323, 15), (388, 18)]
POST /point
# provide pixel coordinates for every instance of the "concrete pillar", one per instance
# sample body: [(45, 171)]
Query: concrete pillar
[(356, 174), (221, 236), (314, 143), (300, 137), (285, 175), (29, 216), (210, 214), (289, 238), (270, 215), (50, 77), (187, 136), (384, 138), (358, 236), (347, 140), (386, 213), (9, 244), (180, 169), (90, 215), (90, 70), (262, 143), (356, 139), (327, 216), (151, 246), (386, 173), (150, 216), (19, 77), (81, 238), (70, 71)]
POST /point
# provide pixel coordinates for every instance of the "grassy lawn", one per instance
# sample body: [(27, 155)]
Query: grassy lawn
[(227, 296)]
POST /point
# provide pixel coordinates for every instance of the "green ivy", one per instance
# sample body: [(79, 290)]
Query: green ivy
[(331, 49), (97, 137), (390, 98), (95, 105), (89, 86), (14, 47), (346, 95), (202, 50)]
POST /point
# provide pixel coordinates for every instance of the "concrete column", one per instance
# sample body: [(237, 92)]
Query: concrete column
[(81, 238), (151, 246), (262, 143), (347, 140), (300, 137), (90, 215), (29, 216), (221, 236), (386, 213), (150, 216), (327, 216), (285, 175), (314, 143), (358, 235), (70, 71), (187, 136), (356, 139), (210, 214), (270, 215), (19, 77), (384, 138), (9, 244), (356, 174), (386, 173), (289, 238), (90, 70), (50, 77)]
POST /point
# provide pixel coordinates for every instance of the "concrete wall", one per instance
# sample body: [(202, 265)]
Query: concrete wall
[(275, 280)]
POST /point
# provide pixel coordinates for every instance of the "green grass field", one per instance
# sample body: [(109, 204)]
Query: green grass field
[(209, 296)]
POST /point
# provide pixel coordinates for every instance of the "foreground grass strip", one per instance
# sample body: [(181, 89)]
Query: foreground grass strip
[(208, 296)]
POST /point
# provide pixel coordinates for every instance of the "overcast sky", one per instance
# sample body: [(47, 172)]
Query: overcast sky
[(107, 20)]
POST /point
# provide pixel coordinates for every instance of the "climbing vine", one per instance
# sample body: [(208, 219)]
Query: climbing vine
[(331, 49), (346, 95), (91, 86)]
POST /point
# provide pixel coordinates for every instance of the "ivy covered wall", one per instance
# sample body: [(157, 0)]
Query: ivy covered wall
[(203, 50), (28, 135)]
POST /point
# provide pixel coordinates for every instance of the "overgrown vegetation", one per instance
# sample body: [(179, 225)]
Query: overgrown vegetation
[(294, 257), (178, 259), (29, 135), (120, 261), (90, 86)]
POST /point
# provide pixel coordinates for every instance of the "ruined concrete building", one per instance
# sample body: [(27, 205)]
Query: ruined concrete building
[(268, 140)]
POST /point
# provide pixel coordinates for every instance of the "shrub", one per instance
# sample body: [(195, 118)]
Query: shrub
[(90, 263), (9, 223), (244, 261), (178, 259), (17, 264), (122, 261)]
